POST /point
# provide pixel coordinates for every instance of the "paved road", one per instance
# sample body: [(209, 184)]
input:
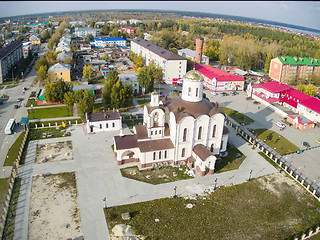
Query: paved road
[(98, 176), (307, 162)]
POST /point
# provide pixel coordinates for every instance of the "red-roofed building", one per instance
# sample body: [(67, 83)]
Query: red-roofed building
[(218, 80), (129, 30), (306, 108)]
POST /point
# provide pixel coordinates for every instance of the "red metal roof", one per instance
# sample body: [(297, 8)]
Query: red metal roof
[(220, 75), (273, 87), (312, 103)]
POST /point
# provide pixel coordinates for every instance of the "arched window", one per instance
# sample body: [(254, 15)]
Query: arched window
[(165, 154), (154, 155), (183, 152), (185, 134), (214, 131), (212, 146), (155, 132), (199, 133), (159, 154), (155, 119), (197, 90), (189, 91)]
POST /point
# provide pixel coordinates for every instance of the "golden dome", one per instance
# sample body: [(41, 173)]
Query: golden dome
[(193, 75)]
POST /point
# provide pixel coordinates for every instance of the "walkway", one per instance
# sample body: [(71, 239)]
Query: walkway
[(98, 176)]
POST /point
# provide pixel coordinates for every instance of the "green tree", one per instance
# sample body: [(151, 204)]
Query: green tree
[(84, 102), (146, 79), (88, 38), (42, 72), (267, 64), (301, 87), (190, 64), (116, 98), (44, 35), (88, 72), (41, 62), (61, 88), (69, 100), (50, 93), (311, 90)]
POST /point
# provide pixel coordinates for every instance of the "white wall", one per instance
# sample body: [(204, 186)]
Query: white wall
[(310, 114), (96, 125)]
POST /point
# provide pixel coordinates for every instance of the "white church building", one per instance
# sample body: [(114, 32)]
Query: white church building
[(186, 130)]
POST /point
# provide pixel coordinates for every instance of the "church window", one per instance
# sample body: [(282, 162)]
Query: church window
[(214, 131), (155, 132), (189, 91), (151, 132), (154, 155), (155, 119), (113, 125), (212, 146), (100, 126), (197, 92), (107, 125), (159, 131), (165, 154), (200, 133), (183, 152), (185, 134), (159, 154)]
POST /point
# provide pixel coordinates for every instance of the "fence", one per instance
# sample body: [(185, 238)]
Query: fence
[(303, 180), (12, 177), (53, 124)]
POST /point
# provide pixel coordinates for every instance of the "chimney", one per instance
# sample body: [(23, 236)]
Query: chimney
[(199, 46)]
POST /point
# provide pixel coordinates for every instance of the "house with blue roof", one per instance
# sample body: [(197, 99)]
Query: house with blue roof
[(108, 42)]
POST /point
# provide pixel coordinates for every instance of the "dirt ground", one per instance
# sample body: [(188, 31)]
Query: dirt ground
[(54, 152), (54, 211)]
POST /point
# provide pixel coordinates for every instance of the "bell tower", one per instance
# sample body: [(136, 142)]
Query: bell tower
[(192, 87)]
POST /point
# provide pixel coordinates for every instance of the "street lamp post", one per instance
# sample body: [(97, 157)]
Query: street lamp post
[(250, 175), (215, 183), (105, 202), (175, 191)]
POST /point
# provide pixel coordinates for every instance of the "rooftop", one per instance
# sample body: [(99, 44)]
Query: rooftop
[(125, 142), (9, 48), (103, 116), (155, 145), (190, 53), (299, 61), (216, 73), (164, 53), (273, 87), (58, 67), (201, 151)]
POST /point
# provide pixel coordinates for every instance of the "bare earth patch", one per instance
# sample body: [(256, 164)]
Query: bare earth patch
[(54, 152), (54, 211)]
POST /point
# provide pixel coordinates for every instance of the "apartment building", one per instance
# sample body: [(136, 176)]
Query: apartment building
[(174, 67), (9, 57), (284, 68), (83, 32), (188, 53)]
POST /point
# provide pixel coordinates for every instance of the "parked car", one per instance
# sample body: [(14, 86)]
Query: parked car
[(20, 99), (128, 68), (16, 106), (318, 140), (234, 93), (281, 125), (256, 102), (306, 144), (214, 93)]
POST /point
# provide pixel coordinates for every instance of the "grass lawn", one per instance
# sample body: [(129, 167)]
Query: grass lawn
[(53, 112), (4, 185), (279, 143), (98, 107), (271, 207), (238, 117), (230, 162), (157, 175), (132, 122), (143, 102), (13, 150), (9, 226), (31, 101)]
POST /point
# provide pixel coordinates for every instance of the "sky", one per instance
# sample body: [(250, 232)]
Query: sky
[(301, 13)]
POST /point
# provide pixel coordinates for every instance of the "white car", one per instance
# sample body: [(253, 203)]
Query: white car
[(214, 93), (281, 125)]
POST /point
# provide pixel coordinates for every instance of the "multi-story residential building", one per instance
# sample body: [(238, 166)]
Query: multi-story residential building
[(83, 32), (131, 78), (109, 42), (62, 55), (35, 39), (27, 46), (59, 71), (10, 56), (284, 69), (173, 65)]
